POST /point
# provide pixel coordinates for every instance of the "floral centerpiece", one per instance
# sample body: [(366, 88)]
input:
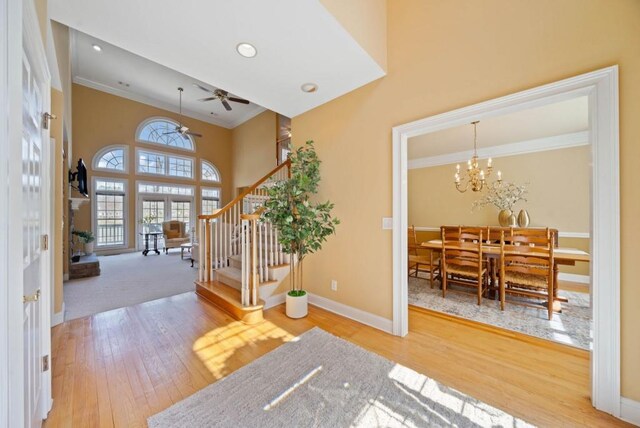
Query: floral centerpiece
[(503, 195)]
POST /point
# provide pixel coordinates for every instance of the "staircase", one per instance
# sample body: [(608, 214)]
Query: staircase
[(241, 259)]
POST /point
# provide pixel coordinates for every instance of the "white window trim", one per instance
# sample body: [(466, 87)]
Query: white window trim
[(219, 189), (166, 155), (145, 122), (202, 162), (94, 213), (106, 149)]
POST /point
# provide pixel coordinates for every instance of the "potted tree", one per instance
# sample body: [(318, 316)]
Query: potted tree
[(87, 238), (302, 224)]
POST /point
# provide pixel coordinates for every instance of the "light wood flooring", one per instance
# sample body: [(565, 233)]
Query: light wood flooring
[(119, 367)]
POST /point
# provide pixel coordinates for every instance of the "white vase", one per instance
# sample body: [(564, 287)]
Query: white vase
[(296, 306), (88, 248)]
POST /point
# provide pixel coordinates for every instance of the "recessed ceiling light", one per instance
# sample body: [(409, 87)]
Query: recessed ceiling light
[(97, 48), (247, 50), (309, 87)]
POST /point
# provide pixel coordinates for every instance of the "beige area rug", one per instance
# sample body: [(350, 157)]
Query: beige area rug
[(319, 380), (128, 279)]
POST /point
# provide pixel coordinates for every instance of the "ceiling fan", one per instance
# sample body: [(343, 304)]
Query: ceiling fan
[(223, 96), (180, 128)]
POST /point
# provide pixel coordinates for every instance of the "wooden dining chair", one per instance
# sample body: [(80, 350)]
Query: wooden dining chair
[(462, 261), (419, 261), (526, 268)]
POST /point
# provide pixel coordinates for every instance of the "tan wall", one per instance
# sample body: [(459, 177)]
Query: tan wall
[(57, 238), (366, 21), (254, 149), (101, 119), (60, 34), (444, 55), (558, 194)]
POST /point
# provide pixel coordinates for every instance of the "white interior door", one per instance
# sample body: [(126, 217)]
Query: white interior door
[(35, 216)]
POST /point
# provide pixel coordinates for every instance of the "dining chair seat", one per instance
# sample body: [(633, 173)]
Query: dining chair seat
[(526, 279), (465, 271)]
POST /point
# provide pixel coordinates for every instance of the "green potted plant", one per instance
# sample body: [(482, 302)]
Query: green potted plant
[(302, 224), (87, 238)]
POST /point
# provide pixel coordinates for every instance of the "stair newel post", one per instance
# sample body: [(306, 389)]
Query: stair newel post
[(244, 265), (207, 246), (254, 263), (200, 249), (260, 263)]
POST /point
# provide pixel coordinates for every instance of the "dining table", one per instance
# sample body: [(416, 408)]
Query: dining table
[(561, 256)]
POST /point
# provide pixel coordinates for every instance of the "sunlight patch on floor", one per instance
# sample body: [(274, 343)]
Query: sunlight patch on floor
[(217, 346)]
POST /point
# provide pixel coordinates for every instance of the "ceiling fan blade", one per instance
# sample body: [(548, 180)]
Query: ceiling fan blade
[(238, 100), (195, 134), (202, 87), (170, 132), (226, 105), (208, 99)]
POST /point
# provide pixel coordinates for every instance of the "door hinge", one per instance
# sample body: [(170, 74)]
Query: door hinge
[(45, 242), (46, 119), (45, 363)]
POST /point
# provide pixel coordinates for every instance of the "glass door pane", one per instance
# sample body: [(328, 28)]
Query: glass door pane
[(152, 216), (181, 210)]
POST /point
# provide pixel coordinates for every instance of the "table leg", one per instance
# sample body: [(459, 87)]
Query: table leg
[(155, 244), (146, 245)]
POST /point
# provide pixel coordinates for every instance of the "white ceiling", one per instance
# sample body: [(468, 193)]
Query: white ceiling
[(551, 120), (298, 41), (149, 82)]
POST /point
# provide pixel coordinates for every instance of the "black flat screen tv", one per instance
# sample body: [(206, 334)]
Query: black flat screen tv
[(81, 177)]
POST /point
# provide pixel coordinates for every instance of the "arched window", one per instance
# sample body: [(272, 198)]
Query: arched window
[(111, 158), (159, 130), (208, 172)]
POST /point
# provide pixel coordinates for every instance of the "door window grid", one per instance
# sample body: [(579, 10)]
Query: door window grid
[(181, 211)]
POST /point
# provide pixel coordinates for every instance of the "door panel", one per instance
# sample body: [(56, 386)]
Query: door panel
[(33, 86)]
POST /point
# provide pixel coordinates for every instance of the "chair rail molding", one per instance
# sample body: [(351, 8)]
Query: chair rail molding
[(601, 86)]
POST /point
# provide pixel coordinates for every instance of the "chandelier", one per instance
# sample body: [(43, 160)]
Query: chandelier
[(475, 177)]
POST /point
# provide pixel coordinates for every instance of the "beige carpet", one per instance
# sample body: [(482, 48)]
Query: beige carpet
[(128, 279), (319, 380)]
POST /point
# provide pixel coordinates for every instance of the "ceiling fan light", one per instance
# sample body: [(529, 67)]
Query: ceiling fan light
[(246, 50)]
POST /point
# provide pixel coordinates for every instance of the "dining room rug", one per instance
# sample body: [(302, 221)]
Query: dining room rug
[(319, 380), (572, 327)]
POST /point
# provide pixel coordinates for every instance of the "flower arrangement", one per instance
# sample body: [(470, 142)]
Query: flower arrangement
[(502, 195)]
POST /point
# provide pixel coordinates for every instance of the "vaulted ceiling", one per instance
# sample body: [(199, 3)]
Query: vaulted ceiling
[(298, 41)]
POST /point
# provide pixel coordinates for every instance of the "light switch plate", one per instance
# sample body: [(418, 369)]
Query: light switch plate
[(387, 223)]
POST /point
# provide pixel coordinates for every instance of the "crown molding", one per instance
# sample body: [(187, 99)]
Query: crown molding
[(165, 106), (557, 142)]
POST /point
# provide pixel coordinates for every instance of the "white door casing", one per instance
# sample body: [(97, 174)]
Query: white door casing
[(601, 87)]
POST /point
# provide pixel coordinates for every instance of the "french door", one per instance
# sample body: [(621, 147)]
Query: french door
[(36, 190), (154, 209)]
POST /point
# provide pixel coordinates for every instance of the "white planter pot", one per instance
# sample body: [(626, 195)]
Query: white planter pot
[(88, 248), (296, 306)]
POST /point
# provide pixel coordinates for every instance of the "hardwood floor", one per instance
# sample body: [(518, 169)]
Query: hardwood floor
[(117, 368)]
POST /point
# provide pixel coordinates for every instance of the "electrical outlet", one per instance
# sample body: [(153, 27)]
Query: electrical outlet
[(387, 223), (334, 285)]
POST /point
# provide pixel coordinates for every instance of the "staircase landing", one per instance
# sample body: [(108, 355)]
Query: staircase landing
[(229, 300)]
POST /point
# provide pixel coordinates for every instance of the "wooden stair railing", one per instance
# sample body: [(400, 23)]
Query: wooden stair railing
[(238, 230)]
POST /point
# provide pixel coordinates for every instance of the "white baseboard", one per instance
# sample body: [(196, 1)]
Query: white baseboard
[(275, 300), (65, 277), (350, 312), (581, 279), (58, 317), (630, 410)]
